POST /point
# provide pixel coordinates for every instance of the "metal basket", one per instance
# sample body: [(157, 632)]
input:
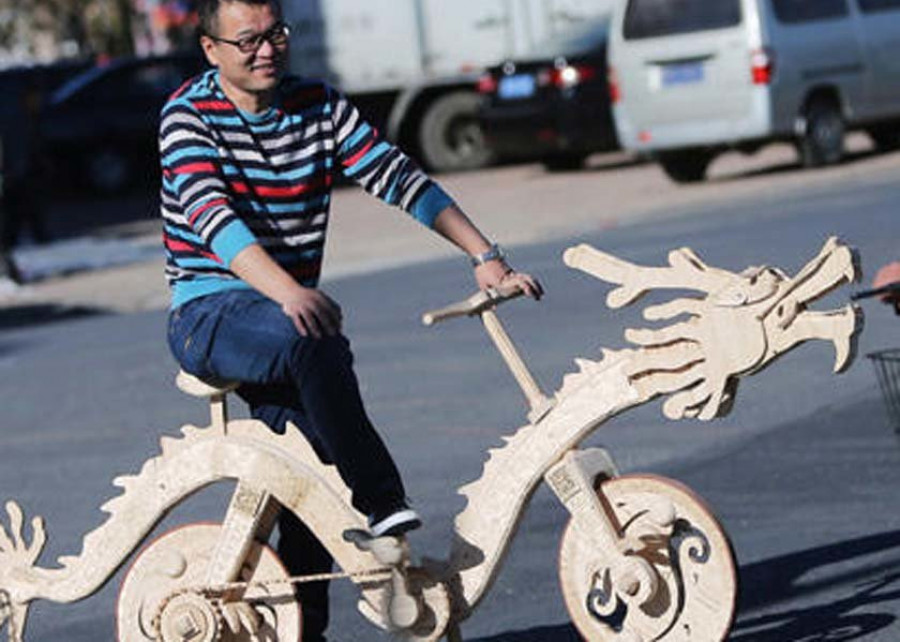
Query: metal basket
[(887, 369)]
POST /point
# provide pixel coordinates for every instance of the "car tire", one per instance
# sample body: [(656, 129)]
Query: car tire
[(686, 166), (564, 162), (822, 141), (885, 137), (108, 171), (450, 134)]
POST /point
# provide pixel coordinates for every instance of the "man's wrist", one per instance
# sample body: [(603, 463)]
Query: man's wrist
[(493, 253)]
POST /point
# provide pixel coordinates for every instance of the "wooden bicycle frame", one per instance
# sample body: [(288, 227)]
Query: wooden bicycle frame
[(626, 570)]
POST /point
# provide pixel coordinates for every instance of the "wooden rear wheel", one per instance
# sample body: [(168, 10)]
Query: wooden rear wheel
[(156, 593)]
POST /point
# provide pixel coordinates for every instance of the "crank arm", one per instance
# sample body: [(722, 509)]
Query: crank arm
[(402, 609)]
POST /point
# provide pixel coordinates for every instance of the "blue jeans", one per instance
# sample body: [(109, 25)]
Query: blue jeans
[(241, 335)]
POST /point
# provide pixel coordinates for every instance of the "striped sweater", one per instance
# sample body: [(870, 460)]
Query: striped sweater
[(231, 179)]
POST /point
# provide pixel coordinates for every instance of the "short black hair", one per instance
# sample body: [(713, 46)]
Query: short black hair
[(208, 12)]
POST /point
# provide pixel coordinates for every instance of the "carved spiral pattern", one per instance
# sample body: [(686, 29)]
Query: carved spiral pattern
[(691, 557)]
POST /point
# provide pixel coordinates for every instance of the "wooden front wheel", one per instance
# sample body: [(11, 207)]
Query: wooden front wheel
[(683, 558), (159, 582)]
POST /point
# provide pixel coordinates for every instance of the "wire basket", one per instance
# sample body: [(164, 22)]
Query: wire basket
[(887, 369)]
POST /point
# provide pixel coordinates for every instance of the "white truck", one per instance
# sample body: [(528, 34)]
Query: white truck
[(412, 66)]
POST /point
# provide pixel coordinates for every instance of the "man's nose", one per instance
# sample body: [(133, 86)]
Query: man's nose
[(266, 49)]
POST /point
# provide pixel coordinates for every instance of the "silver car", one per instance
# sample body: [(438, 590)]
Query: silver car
[(691, 78)]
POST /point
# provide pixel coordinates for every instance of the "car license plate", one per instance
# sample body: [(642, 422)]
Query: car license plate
[(682, 73), (516, 87)]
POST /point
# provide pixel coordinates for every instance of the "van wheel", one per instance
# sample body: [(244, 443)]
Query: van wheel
[(564, 162), (885, 137), (450, 135), (823, 141), (686, 166)]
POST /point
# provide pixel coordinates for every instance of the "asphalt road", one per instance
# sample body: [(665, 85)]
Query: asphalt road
[(803, 473)]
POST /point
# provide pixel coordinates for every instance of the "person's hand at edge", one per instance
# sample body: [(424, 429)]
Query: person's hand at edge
[(887, 275)]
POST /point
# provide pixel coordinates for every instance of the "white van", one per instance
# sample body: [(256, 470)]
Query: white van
[(691, 78)]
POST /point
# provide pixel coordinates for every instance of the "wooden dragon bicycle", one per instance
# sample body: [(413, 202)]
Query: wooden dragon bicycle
[(641, 559)]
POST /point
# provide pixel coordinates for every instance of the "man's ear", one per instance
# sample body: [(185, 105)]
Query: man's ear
[(208, 46)]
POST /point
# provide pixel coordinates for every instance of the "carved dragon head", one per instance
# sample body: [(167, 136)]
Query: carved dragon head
[(737, 325), (17, 557)]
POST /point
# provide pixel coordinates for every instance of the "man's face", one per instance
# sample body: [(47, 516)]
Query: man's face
[(251, 72)]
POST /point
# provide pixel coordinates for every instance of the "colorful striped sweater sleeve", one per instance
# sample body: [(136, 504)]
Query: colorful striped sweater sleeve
[(193, 174), (231, 179), (382, 169)]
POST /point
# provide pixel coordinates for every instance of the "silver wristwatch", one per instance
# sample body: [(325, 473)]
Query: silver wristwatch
[(494, 253)]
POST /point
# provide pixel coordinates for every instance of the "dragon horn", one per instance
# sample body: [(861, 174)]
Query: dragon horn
[(686, 271)]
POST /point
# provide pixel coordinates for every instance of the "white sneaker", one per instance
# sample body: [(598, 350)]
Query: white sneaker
[(395, 523)]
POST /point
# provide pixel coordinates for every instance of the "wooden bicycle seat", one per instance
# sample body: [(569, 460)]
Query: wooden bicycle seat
[(205, 389)]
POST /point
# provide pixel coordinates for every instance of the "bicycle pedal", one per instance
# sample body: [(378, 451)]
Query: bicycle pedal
[(387, 550)]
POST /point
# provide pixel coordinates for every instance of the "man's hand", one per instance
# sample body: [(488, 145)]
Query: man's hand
[(456, 227), (313, 313), (495, 273)]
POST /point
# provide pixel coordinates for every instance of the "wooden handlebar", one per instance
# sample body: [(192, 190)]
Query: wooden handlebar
[(474, 305)]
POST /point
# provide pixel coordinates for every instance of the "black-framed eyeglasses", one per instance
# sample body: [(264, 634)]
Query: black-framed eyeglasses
[(277, 36)]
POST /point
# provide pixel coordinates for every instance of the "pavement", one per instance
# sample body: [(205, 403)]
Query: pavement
[(802, 476)]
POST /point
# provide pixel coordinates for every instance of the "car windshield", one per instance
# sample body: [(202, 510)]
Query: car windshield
[(133, 77), (580, 39), (654, 18), (74, 85)]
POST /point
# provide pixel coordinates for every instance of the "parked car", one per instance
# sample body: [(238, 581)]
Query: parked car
[(16, 82), (554, 104), (25, 89), (692, 78), (100, 128)]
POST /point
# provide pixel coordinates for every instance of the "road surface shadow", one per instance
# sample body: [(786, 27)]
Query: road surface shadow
[(615, 162), (560, 633), (775, 580), (778, 579), (600, 162), (31, 315), (795, 166)]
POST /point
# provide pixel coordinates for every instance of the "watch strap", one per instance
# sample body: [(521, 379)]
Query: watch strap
[(493, 253)]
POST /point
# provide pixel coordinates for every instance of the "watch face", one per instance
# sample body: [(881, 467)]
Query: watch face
[(494, 253)]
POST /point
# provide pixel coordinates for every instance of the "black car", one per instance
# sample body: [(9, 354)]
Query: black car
[(100, 128), (24, 90), (553, 105)]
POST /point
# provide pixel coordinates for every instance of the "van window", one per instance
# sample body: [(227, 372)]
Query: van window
[(796, 11), (653, 18), (871, 6)]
